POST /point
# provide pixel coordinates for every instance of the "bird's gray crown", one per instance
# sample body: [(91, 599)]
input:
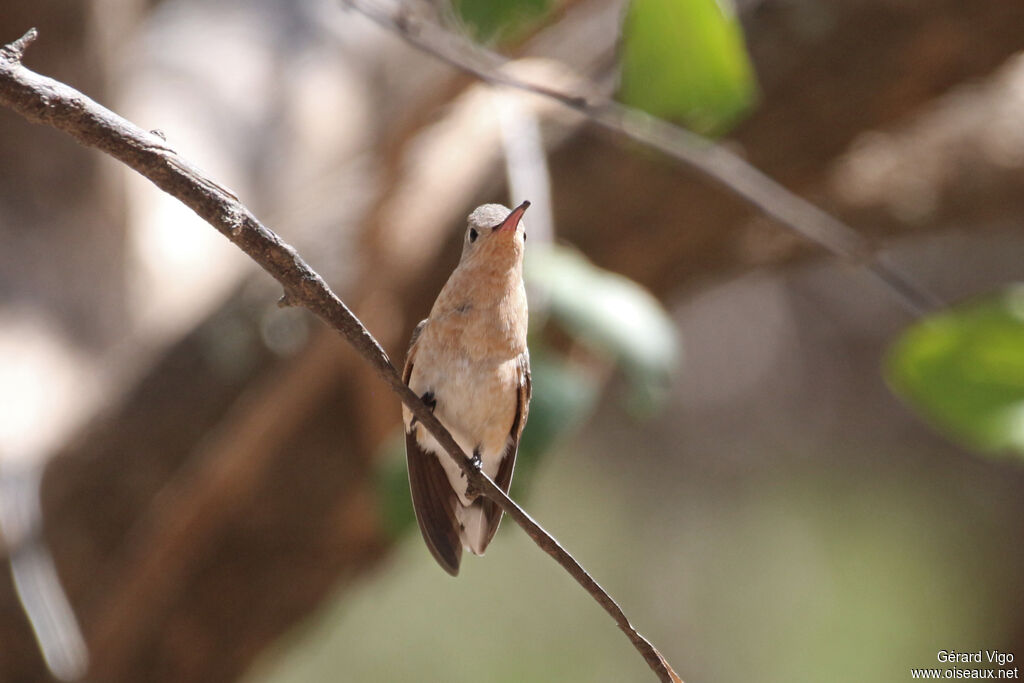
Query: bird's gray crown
[(488, 215)]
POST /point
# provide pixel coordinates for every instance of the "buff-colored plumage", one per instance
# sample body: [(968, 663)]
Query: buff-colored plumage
[(469, 359)]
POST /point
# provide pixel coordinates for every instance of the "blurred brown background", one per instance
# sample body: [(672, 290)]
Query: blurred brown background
[(211, 466)]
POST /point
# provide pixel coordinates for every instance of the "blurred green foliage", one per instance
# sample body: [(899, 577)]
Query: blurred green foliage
[(612, 316), (500, 20), (686, 60), (392, 486), (964, 370), (564, 394), (683, 60)]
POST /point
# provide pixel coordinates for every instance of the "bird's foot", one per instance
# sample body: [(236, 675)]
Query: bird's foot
[(429, 399)]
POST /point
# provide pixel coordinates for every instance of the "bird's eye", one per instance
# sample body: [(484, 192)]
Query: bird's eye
[(524, 235), (473, 234)]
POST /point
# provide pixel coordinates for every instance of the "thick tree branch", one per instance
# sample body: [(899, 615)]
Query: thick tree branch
[(44, 100), (713, 161)]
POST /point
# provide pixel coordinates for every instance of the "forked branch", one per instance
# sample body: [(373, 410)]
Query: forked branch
[(44, 100)]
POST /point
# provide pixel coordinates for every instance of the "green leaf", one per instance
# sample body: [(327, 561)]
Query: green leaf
[(686, 60), (964, 371), (500, 20), (610, 314)]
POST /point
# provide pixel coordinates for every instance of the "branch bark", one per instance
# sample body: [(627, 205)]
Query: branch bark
[(43, 100)]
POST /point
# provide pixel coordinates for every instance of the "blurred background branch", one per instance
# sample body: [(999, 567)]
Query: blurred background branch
[(716, 162), (35, 577)]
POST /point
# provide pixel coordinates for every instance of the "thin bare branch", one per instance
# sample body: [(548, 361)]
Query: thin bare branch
[(713, 161), (44, 100)]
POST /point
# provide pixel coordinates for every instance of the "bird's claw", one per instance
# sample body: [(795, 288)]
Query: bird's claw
[(429, 399)]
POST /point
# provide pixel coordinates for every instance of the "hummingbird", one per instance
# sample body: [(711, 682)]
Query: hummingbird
[(469, 363)]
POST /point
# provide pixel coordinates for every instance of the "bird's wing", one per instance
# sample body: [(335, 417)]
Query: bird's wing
[(434, 502), (432, 496), (503, 478), (525, 394)]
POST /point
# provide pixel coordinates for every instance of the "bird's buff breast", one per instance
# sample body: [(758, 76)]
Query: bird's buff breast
[(476, 400), (476, 403)]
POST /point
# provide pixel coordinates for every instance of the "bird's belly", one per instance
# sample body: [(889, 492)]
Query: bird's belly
[(476, 402)]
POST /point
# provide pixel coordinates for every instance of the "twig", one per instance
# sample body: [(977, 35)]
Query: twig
[(714, 161), (44, 100)]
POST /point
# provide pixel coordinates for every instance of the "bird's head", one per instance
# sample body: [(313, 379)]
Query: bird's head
[(495, 235)]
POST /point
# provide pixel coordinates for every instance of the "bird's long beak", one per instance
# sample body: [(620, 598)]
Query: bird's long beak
[(512, 222)]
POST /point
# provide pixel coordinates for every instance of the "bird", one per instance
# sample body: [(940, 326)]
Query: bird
[(469, 363)]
